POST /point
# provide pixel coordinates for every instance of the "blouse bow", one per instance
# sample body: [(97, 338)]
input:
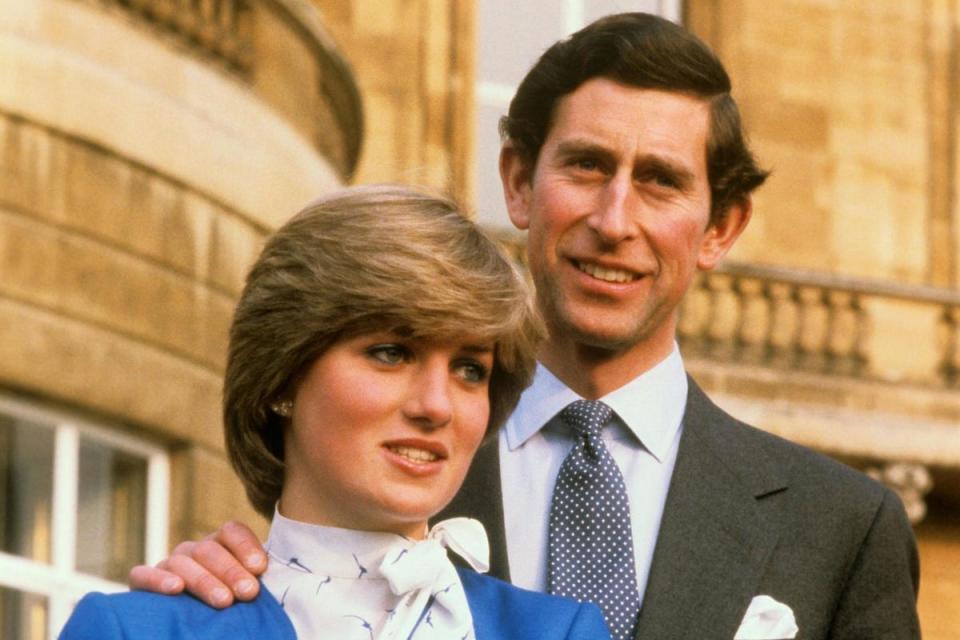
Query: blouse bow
[(427, 581)]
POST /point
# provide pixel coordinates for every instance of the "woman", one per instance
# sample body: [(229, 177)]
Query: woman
[(380, 337)]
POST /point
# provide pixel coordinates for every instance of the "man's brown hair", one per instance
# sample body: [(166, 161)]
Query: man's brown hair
[(648, 52)]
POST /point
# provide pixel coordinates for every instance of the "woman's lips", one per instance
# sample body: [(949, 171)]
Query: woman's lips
[(418, 457), (414, 454)]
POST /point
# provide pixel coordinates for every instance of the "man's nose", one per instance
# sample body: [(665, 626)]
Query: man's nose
[(614, 219), (429, 403)]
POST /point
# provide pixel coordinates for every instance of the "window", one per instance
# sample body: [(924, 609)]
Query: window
[(80, 504), (510, 38)]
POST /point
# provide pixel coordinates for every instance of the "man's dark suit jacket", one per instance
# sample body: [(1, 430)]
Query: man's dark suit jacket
[(749, 514)]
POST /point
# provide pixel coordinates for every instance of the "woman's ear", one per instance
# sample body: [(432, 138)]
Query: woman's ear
[(516, 175), (721, 234)]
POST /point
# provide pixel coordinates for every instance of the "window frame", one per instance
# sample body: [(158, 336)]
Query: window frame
[(59, 581)]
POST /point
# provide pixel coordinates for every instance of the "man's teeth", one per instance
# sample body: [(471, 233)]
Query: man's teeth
[(607, 275), (414, 454)]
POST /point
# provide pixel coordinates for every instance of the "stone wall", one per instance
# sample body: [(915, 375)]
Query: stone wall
[(854, 107), (145, 151), (414, 64), (836, 321)]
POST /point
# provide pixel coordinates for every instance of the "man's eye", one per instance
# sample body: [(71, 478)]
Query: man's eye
[(389, 353), (472, 371), (661, 179), (666, 181), (586, 164)]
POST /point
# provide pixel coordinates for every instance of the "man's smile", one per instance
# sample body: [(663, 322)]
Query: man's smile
[(606, 274)]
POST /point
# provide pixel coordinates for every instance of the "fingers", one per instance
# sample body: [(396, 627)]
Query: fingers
[(156, 579), (224, 570), (244, 545), (199, 581), (182, 549), (216, 570)]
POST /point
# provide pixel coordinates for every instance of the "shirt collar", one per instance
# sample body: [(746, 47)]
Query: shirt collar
[(650, 406), (340, 552)]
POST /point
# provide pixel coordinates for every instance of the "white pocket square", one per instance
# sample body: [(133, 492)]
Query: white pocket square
[(767, 619)]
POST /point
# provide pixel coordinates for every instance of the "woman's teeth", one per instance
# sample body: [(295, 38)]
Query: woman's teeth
[(415, 455)]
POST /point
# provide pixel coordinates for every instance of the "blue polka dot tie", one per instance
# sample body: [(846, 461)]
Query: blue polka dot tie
[(591, 546)]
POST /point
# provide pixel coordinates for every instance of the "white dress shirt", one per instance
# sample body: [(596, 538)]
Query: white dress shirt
[(345, 584), (642, 438)]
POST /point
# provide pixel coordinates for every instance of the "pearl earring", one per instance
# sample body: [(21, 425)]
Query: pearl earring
[(283, 408)]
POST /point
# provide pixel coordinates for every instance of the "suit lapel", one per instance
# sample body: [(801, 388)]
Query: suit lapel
[(713, 542), (480, 497)]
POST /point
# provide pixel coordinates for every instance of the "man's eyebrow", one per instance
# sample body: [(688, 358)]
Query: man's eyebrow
[(578, 145), (643, 163), (651, 163)]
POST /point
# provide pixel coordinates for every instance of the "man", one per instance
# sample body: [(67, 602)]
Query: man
[(625, 162)]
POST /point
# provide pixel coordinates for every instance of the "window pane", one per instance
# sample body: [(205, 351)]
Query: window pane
[(23, 616), (505, 50), (112, 498), (593, 9), (26, 487)]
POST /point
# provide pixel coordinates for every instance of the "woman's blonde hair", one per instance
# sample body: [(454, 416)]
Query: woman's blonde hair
[(361, 260)]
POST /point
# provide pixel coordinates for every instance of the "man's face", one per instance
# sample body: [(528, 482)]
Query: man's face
[(618, 211)]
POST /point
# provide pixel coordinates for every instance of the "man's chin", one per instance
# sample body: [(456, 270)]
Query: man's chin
[(610, 331), (602, 338)]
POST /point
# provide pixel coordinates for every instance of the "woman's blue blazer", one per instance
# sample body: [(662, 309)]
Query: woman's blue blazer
[(500, 612)]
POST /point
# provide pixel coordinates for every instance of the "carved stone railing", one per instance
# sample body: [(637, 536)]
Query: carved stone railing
[(815, 322), (912, 482), (793, 319), (338, 110), (280, 49), (220, 28)]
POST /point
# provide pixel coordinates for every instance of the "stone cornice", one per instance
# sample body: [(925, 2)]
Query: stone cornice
[(337, 84), (226, 34)]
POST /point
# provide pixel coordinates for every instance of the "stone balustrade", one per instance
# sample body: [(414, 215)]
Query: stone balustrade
[(278, 49), (911, 482), (219, 28), (792, 319), (824, 324)]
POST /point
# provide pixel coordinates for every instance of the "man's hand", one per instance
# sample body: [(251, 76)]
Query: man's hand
[(216, 569)]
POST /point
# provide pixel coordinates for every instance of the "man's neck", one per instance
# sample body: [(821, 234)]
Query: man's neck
[(593, 372)]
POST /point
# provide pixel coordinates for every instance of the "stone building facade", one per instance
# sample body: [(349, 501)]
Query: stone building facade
[(146, 148), (149, 145), (836, 320)]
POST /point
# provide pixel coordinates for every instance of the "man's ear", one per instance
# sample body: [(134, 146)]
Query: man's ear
[(723, 233), (516, 175)]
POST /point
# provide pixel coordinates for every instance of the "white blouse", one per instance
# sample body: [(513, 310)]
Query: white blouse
[(348, 584)]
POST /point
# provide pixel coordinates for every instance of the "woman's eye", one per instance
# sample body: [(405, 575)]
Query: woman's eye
[(388, 353), (473, 371)]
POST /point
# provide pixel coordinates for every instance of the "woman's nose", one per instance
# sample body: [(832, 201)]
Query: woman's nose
[(429, 402)]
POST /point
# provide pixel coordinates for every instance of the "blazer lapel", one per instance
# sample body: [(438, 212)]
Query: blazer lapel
[(480, 497), (713, 542)]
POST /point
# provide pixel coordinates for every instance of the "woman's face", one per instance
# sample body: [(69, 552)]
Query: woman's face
[(383, 430)]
